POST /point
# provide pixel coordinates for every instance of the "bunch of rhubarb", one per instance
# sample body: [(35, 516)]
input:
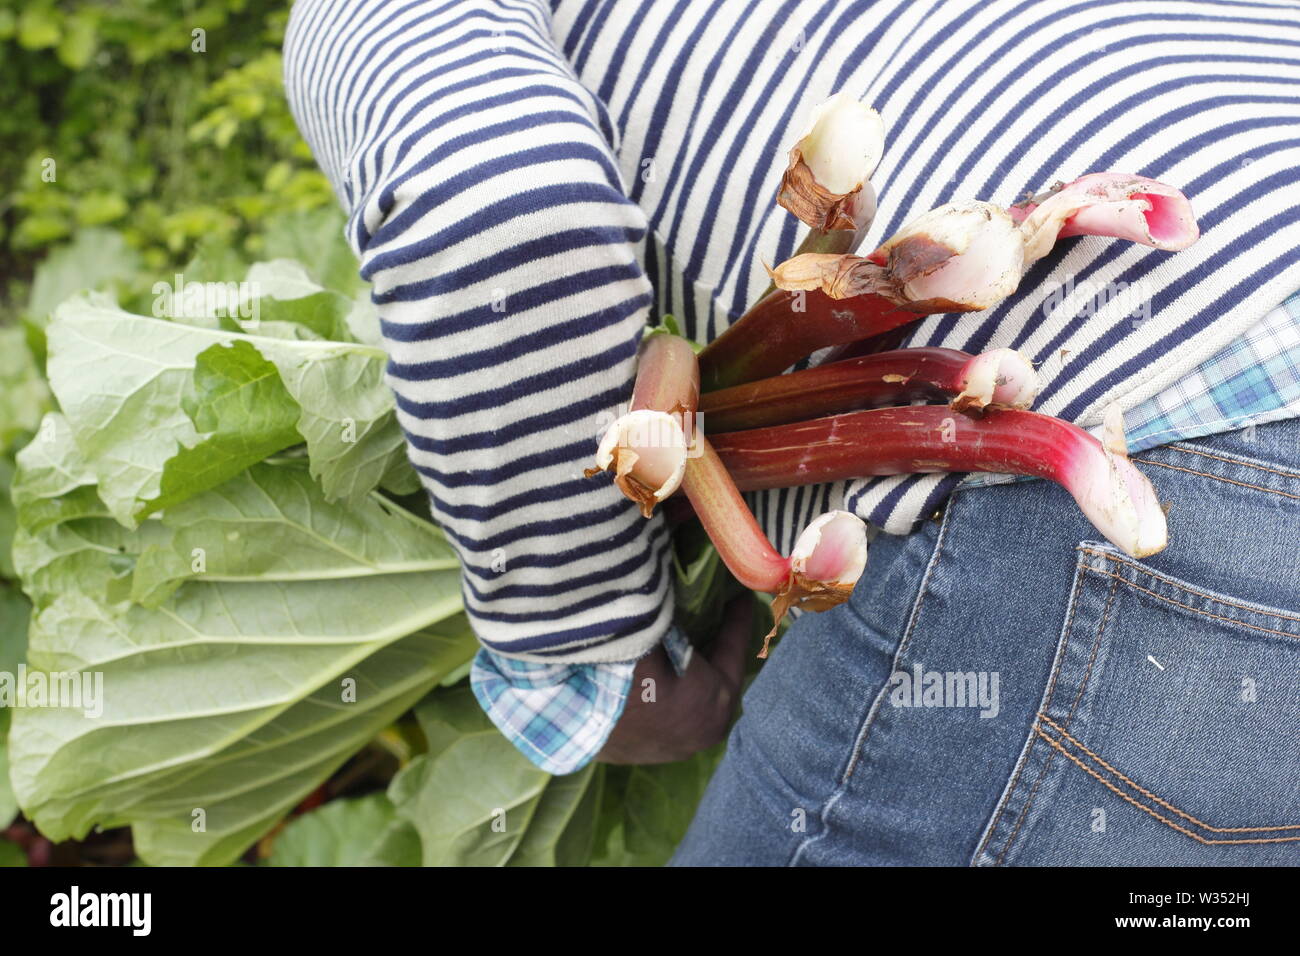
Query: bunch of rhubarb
[(857, 414)]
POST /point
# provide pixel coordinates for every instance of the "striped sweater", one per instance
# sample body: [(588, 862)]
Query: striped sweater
[(529, 184)]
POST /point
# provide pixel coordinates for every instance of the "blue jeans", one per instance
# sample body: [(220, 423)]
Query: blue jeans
[(1004, 689)]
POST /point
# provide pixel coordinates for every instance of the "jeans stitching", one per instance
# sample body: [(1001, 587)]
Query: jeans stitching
[(1051, 691), (1124, 796), (1151, 796), (1047, 767), (1190, 590), (864, 731), (1188, 607), (913, 617), (1176, 446), (1206, 474)]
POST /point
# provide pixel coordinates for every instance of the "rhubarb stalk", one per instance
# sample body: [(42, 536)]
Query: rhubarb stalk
[(650, 455), (1000, 377), (961, 257), (823, 567), (1119, 205), (1116, 497), (825, 564), (647, 448), (787, 326), (828, 181)]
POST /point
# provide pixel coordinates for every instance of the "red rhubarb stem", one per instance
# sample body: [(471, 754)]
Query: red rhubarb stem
[(868, 381), (667, 378), (898, 441), (741, 543), (1110, 491), (784, 327)]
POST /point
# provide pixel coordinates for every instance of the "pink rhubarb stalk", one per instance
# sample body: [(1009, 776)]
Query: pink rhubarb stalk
[(1000, 377), (961, 257), (785, 327), (824, 565), (1116, 497), (958, 258), (1119, 205), (647, 448), (650, 456)]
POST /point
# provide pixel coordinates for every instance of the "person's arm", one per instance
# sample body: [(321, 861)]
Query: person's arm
[(488, 214)]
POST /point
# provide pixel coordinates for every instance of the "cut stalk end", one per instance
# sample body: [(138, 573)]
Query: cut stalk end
[(646, 451), (827, 182), (1001, 377), (825, 564)]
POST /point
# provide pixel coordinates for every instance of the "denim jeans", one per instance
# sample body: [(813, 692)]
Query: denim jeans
[(1004, 688)]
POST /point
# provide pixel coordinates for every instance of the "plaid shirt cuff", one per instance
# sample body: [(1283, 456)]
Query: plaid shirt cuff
[(559, 715)]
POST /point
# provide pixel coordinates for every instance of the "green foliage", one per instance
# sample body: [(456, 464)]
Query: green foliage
[(11, 854), (118, 114), (365, 831)]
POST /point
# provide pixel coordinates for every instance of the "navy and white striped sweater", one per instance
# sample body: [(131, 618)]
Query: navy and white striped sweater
[(530, 183)]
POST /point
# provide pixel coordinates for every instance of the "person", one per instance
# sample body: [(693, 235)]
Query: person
[(529, 185)]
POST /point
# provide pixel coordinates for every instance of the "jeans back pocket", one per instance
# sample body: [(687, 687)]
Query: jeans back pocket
[(1167, 733)]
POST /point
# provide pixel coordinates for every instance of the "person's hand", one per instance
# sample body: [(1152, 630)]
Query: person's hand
[(689, 713)]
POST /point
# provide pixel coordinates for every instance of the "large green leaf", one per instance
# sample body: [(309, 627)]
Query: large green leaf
[(237, 400), (15, 610), (473, 795), (361, 832), (8, 518), (54, 482), (477, 801), (123, 382), (563, 829), (315, 239), (230, 697), (220, 536), (646, 810), (94, 259), (24, 397), (246, 789), (8, 802)]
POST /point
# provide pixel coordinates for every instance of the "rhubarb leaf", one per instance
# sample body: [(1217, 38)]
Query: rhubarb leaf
[(8, 802), (472, 796), (8, 520), (563, 829), (53, 482), (236, 400), (646, 809), (219, 536), (315, 239), (122, 380), (477, 801), (94, 259), (361, 832), (224, 706), (24, 396)]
